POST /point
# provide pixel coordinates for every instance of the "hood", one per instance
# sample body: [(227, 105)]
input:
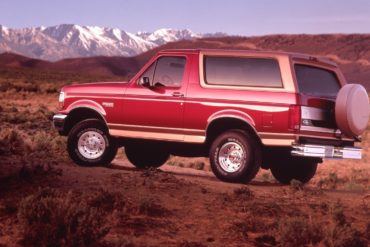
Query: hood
[(96, 88)]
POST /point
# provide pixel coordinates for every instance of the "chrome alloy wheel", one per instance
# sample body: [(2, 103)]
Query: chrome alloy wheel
[(231, 156), (91, 145)]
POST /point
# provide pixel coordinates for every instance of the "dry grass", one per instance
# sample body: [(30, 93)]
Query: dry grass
[(137, 207), (52, 218), (298, 231)]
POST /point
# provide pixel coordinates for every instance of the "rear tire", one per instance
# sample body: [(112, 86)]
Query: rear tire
[(235, 156), (145, 155), (291, 168), (89, 144)]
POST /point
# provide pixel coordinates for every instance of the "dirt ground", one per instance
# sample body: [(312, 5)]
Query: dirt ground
[(46, 200)]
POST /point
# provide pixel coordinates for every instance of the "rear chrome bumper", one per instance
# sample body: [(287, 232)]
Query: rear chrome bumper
[(321, 151), (58, 120)]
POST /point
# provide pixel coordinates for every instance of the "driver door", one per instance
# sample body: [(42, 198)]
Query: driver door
[(153, 107)]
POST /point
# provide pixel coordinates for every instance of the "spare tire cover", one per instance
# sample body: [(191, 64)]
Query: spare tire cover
[(352, 109)]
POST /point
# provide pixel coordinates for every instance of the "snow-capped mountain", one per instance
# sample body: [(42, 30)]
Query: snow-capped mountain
[(165, 35), (68, 40)]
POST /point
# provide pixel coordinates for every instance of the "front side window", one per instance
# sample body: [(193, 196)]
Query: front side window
[(316, 81), (167, 71), (242, 71)]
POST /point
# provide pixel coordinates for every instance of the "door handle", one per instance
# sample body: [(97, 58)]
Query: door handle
[(177, 94)]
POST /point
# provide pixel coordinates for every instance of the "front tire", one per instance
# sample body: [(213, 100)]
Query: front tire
[(235, 156), (89, 144), (146, 155), (285, 170)]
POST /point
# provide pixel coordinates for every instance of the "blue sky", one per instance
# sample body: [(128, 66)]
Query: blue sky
[(243, 17)]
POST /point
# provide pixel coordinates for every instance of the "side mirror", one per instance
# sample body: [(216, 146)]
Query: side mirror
[(145, 81)]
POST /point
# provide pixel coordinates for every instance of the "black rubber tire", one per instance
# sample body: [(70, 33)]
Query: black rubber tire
[(285, 170), (252, 160), (86, 125), (146, 155)]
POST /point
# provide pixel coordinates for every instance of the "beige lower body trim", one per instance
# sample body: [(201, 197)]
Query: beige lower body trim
[(157, 133), (277, 142), (277, 139), (187, 135)]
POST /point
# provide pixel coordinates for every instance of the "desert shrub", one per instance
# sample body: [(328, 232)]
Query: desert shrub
[(297, 231), (251, 224), (296, 185), (330, 182), (171, 163), (354, 186), (324, 207), (268, 208), (52, 218), (195, 164), (243, 193), (34, 171), (5, 86), (44, 112), (13, 109), (240, 229), (47, 145), (191, 244), (150, 207), (341, 233), (8, 207), (16, 118), (25, 87), (338, 216), (367, 231), (107, 200), (199, 165), (265, 240), (358, 180), (49, 88), (41, 142), (267, 177), (344, 236), (11, 142)]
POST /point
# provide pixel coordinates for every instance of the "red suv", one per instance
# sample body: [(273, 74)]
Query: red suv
[(243, 109)]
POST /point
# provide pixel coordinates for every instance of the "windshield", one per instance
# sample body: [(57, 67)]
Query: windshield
[(316, 81)]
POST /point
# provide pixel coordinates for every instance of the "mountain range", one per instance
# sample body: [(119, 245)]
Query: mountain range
[(69, 41), (350, 51)]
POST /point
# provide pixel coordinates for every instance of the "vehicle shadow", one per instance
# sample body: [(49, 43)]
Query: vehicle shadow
[(192, 173)]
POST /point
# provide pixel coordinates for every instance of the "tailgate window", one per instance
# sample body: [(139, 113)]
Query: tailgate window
[(316, 81)]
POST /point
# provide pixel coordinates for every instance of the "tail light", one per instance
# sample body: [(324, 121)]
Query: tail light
[(294, 117)]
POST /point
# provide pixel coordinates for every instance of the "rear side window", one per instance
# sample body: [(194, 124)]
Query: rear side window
[(316, 81), (240, 71)]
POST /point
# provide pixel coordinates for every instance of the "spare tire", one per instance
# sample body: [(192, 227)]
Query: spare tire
[(352, 110)]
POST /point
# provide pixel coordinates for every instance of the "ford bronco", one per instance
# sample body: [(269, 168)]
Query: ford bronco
[(246, 110)]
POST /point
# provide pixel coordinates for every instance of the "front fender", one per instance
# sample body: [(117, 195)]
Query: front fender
[(85, 104)]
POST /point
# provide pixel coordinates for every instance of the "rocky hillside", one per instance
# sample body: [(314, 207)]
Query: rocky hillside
[(351, 52)]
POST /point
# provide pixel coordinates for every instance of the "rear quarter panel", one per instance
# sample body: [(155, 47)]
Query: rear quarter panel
[(265, 110)]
